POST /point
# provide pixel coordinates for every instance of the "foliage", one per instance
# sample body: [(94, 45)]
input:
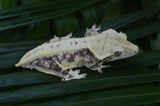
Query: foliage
[(24, 24)]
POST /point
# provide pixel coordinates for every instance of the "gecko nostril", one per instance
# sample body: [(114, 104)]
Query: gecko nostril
[(135, 52)]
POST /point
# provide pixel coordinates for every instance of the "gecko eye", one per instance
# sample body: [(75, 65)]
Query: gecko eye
[(117, 53)]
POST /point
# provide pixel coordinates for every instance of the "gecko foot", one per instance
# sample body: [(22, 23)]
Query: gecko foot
[(92, 31), (63, 38), (66, 37), (75, 75), (100, 66), (56, 38)]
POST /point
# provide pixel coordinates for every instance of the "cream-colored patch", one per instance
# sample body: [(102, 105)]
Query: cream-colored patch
[(108, 42)]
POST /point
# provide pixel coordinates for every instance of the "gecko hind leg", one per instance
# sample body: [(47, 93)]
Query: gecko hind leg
[(71, 74), (92, 31), (50, 66), (75, 75)]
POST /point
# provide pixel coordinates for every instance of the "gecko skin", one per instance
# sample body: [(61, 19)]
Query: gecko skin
[(59, 56)]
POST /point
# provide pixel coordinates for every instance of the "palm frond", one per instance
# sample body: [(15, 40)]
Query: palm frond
[(24, 24)]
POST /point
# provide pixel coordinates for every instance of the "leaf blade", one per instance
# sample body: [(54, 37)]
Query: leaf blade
[(67, 7)]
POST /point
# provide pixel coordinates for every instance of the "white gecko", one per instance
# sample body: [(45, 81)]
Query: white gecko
[(59, 55)]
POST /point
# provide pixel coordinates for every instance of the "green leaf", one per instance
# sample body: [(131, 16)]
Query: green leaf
[(58, 88), (158, 34), (153, 38), (8, 60), (65, 24), (25, 78), (127, 19), (121, 97), (34, 12), (7, 3), (19, 46), (30, 1), (7, 35), (89, 15), (143, 30), (114, 9), (38, 30)]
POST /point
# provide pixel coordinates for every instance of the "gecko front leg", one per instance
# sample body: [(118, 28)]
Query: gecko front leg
[(92, 31), (63, 38), (92, 63), (99, 66)]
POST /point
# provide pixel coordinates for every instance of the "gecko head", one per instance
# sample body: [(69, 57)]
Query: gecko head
[(120, 47), (126, 49)]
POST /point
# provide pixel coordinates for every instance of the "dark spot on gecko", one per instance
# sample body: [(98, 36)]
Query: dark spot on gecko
[(71, 59), (49, 58), (76, 43), (117, 53), (88, 53), (70, 76), (51, 64), (51, 46), (64, 55), (89, 60), (71, 43), (88, 34), (55, 57), (76, 53), (38, 63), (30, 63), (98, 40), (85, 41), (81, 52), (45, 58), (57, 68), (64, 72)]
